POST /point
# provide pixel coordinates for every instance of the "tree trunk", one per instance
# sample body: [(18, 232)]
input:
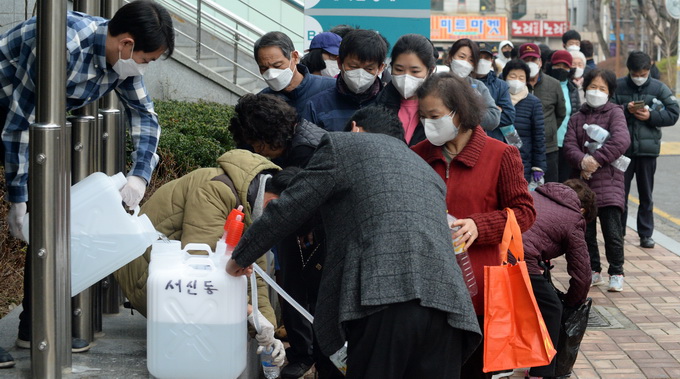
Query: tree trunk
[(596, 6)]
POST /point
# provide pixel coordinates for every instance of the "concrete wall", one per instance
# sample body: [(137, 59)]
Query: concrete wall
[(13, 12)]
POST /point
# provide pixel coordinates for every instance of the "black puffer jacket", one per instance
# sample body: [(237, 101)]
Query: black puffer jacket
[(645, 136), (301, 148), (391, 99)]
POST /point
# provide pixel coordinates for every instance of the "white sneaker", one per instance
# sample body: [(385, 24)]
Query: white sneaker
[(502, 374), (615, 283), (597, 279)]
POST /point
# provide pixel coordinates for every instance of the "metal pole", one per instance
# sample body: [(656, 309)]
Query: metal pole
[(617, 38), (49, 192), (113, 150), (199, 19), (86, 143)]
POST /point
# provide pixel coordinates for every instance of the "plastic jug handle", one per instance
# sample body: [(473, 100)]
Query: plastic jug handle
[(198, 247), (200, 259), (135, 212)]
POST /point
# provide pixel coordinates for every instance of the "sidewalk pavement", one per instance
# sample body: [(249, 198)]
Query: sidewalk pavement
[(639, 336)]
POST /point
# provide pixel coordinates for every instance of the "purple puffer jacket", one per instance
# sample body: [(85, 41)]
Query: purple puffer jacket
[(559, 229), (607, 181)]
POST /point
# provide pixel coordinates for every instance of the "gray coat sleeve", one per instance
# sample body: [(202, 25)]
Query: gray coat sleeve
[(492, 116), (308, 191), (668, 116)]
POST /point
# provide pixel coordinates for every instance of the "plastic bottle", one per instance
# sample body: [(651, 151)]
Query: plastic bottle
[(511, 136), (596, 132), (657, 105), (592, 146), (463, 259), (271, 371), (621, 163), (221, 245)]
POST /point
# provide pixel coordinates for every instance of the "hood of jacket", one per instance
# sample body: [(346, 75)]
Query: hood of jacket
[(560, 194)]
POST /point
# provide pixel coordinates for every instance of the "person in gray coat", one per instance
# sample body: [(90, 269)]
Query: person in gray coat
[(391, 286)]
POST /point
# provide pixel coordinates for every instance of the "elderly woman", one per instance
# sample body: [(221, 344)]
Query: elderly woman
[(483, 176), (595, 166), (578, 63)]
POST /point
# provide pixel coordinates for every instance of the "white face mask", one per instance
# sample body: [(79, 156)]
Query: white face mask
[(596, 98), (278, 79), (358, 80), (441, 130), (331, 70), (516, 86), (461, 68), (533, 69), (573, 48), (639, 80), (578, 72), (483, 67), (128, 67), (407, 84)]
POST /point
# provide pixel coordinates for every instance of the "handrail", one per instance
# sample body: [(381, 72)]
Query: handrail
[(265, 15), (296, 4)]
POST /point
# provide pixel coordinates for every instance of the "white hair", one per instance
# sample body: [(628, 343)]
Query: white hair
[(578, 54)]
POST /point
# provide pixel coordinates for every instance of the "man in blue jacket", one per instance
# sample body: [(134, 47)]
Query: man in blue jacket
[(280, 67), (361, 61), (648, 104), (498, 89)]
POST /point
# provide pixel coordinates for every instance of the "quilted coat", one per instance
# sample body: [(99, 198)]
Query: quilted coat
[(559, 230), (607, 181)]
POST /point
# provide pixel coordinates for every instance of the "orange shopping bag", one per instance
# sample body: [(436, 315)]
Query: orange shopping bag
[(515, 334)]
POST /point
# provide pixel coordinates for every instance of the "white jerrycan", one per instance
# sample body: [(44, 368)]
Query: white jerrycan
[(196, 325), (104, 237)]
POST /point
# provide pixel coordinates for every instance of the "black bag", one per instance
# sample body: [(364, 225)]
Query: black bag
[(572, 330)]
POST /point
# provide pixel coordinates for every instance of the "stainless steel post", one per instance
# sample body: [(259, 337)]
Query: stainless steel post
[(49, 191), (113, 157), (199, 20), (86, 143)]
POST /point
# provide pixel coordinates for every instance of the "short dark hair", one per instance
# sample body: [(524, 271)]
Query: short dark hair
[(314, 60), (149, 24), (263, 118), (457, 95), (587, 48), (418, 45), (367, 45), (342, 29), (278, 39), (637, 60), (569, 35), (462, 43), (281, 180), (378, 119), (516, 64), (607, 75), (586, 196)]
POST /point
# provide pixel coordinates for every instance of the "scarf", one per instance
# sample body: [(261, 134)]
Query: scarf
[(519, 96)]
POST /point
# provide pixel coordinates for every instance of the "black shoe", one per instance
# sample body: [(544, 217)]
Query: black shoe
[(294, 370), (647, 242), (78, 345), (6, 360)]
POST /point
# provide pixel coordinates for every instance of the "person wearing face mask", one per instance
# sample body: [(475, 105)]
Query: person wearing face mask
[(528, 120), (412, 62), (504, 53), (498, 89), (595, 167), (463, 58), (571, 40), (578, 64), (103, 56), (322, 57), (483, 176), (643, 126), (561, 70), (548, 90), (286, 78), (361, 61)]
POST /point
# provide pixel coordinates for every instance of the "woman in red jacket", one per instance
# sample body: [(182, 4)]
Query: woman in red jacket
[(483, 176)]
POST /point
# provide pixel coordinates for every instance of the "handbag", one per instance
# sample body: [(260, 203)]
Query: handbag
[(515, 334)]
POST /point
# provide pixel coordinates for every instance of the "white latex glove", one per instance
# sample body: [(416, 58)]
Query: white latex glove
[(15, 219), (278, 354), (266, 335), (133, 192)]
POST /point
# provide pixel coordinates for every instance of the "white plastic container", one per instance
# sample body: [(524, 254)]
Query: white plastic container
[(197, 317), (104, 237)]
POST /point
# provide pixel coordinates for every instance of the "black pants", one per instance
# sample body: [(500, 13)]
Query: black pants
[(551, 310), (643, 168), (563, 167), (25, 315), (552, 164), (612, 230), (405, 340)]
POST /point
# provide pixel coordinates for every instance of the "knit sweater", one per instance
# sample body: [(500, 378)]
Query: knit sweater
[(482, 180)]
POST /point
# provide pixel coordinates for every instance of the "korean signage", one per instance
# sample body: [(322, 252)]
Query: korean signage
[(476, 28), (539, 28), (392, 18)]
